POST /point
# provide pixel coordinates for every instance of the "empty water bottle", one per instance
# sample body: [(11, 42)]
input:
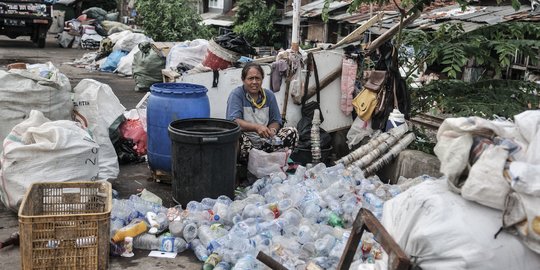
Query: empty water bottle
[(190, 231), (247, 262), (169, 243), (200, 251), (176, 228), (222, 266), (146, 242)]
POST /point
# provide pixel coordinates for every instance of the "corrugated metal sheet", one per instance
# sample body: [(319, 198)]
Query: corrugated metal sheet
[(315, 8), (472, 18)]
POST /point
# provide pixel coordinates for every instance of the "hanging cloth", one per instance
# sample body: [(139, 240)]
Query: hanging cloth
[(348, 80)]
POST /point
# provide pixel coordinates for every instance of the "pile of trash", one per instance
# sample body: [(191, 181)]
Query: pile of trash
[(298, 219), (45, 120), (87, 30)]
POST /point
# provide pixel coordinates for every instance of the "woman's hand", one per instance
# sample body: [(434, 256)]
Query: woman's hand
[(264, 131)]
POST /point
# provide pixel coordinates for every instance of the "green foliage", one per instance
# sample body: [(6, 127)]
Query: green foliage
[(258, 27), (245, 8), (484, 98), (171, 20), (492, 47)]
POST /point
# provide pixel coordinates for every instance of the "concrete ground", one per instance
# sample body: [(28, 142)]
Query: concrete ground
[(132, 178)]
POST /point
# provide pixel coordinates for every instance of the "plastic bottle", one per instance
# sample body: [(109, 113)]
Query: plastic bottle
[(158, 222), (169, 243), (190, 231), (247, 262), (146, 242), (222, 266), (209, 233), (208, 203), (176, 227), (325, 244), (136, 227), (200, 251), (211, 261)]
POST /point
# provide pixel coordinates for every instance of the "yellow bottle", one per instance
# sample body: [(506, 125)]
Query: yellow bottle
[(133, 229)]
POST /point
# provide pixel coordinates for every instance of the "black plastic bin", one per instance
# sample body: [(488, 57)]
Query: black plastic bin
[(203, 158)]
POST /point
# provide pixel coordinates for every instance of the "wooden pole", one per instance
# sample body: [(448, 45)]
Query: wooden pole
[(295, 26), (390, 33), (357, 33)]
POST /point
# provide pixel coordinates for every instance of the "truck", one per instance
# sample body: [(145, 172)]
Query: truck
[(26, 18)]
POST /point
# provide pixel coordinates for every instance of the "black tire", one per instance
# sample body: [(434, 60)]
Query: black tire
[(41, 42)]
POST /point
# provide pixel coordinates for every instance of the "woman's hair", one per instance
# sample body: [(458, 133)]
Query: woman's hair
[(252, 65)]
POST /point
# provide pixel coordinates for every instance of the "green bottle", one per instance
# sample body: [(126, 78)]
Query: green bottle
[(334, 220), (211, 262)]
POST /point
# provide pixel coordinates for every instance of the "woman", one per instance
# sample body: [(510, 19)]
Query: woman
[(256, 111)]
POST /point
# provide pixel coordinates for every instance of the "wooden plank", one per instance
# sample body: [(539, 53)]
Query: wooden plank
[(323, 83), (365, 220), (357, 34), (163, 48), (391, 32), (269, 261)]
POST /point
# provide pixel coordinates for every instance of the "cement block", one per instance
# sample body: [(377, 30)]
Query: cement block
[(410, 164)]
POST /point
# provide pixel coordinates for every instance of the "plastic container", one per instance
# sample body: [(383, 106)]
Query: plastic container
[(218, 58), (65, 225), (204, 154), (169, 102), (135, 228)]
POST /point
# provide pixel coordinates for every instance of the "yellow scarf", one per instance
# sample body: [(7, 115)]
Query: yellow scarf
[(254, 102)]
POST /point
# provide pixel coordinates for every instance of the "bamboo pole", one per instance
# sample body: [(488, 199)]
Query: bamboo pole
[(390, 155)]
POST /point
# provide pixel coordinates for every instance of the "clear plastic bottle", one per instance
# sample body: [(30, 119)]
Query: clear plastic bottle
[(200, 251), (158, 222), (247, 262), (209, 233), (190, 231), (208, 203), (325, 244), (146, 242), (222, 266), (176, 227), (169, 243)]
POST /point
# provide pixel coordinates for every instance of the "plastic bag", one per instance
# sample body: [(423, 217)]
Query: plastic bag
[(147, 66), (187, 53), (125, 66), (133, 129), (112, 61), (262, 164), (130, 41)]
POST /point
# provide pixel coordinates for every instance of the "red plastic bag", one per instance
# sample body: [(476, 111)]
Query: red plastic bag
[(133, 129)]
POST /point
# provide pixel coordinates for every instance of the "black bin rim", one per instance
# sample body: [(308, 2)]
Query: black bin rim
[(182, 130)]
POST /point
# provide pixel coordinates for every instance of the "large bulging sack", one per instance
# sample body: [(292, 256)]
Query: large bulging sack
[(147, 66), (97, 108), (438, 229), (24, 90), (40, 150)]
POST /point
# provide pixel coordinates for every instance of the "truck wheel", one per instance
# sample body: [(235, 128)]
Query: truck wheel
[(41, 42)]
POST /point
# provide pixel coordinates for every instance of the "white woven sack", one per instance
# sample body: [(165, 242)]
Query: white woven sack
[(40, 150), (486, 183), (97, 107)]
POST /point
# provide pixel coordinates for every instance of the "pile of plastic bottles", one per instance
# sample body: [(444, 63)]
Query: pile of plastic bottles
[(297, 219)]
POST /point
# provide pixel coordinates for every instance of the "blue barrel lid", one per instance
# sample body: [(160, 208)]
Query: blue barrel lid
[(178, 88)]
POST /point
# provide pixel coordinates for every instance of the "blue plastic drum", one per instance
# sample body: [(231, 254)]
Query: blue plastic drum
[(169, 102)]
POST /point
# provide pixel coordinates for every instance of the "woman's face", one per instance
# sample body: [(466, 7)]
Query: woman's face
[(253, 81)]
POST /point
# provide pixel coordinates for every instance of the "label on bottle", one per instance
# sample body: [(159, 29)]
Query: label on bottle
[(167, 244)]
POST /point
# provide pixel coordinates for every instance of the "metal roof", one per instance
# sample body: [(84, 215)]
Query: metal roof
[(315, 8), (472, 17)]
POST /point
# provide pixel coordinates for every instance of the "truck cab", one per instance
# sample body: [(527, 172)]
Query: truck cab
[(26, 18)]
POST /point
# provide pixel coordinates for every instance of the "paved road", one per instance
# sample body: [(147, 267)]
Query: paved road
[(132, 178)]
